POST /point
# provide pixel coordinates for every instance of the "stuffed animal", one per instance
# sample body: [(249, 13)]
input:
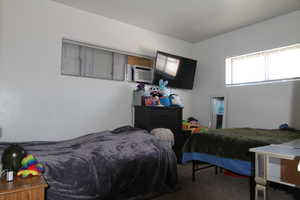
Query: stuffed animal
[(163, 89), (140, 86), (30, 166), (165, 101), (175, 100), (155, 92)]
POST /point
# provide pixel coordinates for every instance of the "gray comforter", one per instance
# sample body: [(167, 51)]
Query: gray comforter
[(129, 165)]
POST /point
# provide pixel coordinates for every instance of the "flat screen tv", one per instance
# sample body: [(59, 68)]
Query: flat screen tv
[(179, 71)]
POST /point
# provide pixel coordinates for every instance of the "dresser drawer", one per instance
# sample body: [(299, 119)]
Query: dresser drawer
[(165, 119), (31, 188), (33, 194), (25, 195), (289, 172), (158, 117)]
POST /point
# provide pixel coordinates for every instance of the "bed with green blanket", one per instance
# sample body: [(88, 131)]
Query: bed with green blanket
[(229, 148)]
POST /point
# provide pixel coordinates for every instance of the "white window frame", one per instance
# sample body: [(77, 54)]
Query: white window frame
[(228, 68), (82, 44)]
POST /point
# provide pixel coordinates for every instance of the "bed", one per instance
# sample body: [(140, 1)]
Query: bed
[(229, 148), (128, 164)]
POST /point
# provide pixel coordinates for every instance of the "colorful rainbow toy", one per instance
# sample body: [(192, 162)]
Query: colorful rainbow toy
[(30, 166)]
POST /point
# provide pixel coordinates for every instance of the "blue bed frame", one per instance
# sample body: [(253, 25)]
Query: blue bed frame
[(237, 166), (241, 167)]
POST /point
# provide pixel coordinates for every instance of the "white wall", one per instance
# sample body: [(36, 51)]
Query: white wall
[(261, 106), (36, 102)]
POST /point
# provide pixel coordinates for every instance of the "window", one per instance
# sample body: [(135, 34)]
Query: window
[(267, 66), (79, 59)]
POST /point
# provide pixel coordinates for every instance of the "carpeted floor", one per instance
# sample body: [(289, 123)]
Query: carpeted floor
[(209, 186)]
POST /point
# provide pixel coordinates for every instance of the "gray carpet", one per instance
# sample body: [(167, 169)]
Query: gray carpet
[(209, 186)]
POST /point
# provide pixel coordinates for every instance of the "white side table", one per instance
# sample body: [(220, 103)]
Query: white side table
[(276, 163)]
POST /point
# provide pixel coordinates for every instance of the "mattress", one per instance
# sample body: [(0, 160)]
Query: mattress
[(229, 148), (234, 143)]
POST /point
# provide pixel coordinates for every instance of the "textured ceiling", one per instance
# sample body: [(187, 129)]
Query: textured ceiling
[(189, 20)]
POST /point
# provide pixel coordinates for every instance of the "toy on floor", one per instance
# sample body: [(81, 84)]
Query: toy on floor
[(193, 125), (286, 127), (30, 166)]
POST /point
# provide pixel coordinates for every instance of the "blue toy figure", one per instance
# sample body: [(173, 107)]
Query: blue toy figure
[(163, 89), (165, 101)]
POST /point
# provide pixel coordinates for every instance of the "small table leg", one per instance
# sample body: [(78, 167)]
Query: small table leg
[(261, 166), (261, 192), (194, 171), (252, 187)]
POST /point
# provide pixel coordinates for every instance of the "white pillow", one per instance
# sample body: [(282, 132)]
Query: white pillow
[(163, 134)]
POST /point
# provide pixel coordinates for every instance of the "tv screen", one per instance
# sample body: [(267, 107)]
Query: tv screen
[(179, 71)]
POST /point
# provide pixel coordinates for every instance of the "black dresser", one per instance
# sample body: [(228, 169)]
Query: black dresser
[(150, 117)]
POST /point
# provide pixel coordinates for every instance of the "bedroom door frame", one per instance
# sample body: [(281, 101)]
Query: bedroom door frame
[(224, 120)]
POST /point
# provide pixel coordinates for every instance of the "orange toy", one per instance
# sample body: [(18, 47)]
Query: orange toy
[(193, 126)]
